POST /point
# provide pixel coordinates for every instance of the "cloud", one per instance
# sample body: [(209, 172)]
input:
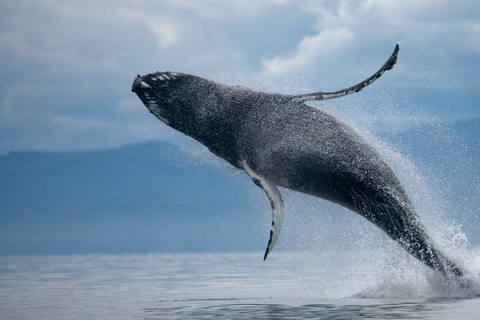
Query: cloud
[(309, 50), (66, 60), (165, 32), (357, 26)]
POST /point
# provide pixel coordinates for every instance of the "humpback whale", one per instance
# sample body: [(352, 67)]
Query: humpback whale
[(280, 141)]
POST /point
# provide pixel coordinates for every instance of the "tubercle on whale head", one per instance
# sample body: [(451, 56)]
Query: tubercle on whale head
[(156, 80)]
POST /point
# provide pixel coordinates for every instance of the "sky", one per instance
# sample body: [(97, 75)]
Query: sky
[(67, 65)]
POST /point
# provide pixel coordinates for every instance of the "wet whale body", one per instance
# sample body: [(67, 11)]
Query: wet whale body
[(279, 140)]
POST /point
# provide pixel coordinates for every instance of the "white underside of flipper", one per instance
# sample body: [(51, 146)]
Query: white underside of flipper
[(276, 202)]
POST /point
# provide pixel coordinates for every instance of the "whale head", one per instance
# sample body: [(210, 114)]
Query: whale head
[(162, 92), (188, 103)]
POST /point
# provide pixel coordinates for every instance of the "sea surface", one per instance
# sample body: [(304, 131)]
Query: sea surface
[(307, 285)]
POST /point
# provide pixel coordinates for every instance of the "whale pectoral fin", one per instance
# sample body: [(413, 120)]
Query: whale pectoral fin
[(276, 202), (326, 95)]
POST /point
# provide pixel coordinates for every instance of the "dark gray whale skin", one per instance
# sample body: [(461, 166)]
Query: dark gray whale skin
[(295, 146)]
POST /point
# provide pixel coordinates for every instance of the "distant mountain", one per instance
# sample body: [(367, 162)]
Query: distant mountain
[(139, 198), (154, 197)]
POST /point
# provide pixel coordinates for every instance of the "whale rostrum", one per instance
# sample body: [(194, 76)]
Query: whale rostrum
[(280, 141)]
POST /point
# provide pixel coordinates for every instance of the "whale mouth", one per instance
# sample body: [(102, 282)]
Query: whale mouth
[(151, 87), (153, 81)]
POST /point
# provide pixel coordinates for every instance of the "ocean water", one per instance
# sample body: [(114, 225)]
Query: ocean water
[(307, 285)]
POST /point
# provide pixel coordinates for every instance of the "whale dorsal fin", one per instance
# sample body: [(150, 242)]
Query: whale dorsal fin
[(276, 202), (326, 95)]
